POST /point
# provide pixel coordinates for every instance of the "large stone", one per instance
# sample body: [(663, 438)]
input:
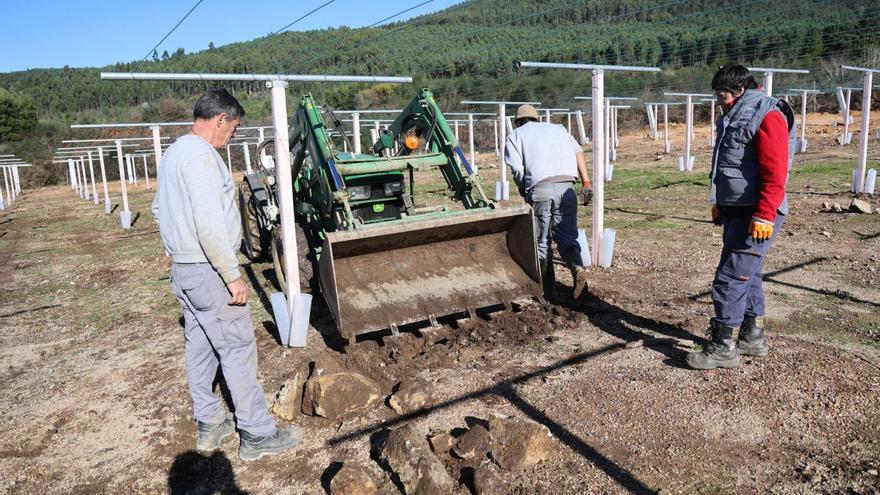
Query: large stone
[(287, 400), (411, 395), (353, 479), (326, 363), (404, 347), (407, 453), (486, 482), (441, 442), (339, 395), (520, 443), (860, 206), (474, 445)]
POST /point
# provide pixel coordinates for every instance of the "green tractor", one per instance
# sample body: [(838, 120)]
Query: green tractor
[(379, 259)]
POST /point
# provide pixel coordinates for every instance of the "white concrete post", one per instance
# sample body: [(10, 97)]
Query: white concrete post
[(79, 181), (689, 129), (228, 160), (667, 146), (17, 181), (146, 173), (104, 179), (712, 124), (547, 115), (130, 176), (568, 118), (455, 131), (616, 135), (92, 175), (582, 129), (356, 132), (846, 118), (125, 214), (157, 146), (262, 135), (8, 188), (768, 83), (606, 128), (502, 138), (471, 141), (495, 126), (284, 182), (598, 94), (83, 180), (652, 121), (865, 131), (70, 174), (247, 158)]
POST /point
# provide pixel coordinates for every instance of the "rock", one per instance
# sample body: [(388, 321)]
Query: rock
[(474, 445), (407, 453), (326, 364), (353, 479), (339, 394), (411, 396), (287, 400), (486, 482), (860, 206), (836, 208), (826, 206), (826, 233), (520, 443), (404, 347), (441, 442)]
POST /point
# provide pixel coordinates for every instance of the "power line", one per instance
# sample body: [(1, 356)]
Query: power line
[(397, 14), (172, 30), (304, 16)]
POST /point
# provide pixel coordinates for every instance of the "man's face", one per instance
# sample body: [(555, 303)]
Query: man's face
[(226, 129), (726, 99)]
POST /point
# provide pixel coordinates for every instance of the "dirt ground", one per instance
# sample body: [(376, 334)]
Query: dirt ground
[(91, 362)]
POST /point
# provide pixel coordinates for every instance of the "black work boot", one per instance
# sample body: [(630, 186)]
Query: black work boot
[(720, 352), (579, 275), (253, 447), (751, 340), (210, 436)]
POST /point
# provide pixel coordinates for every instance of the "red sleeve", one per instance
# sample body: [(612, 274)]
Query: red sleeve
[(771, 147)]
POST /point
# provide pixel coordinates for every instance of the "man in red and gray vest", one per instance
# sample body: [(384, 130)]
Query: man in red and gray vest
[(753, 152), (545, 160)]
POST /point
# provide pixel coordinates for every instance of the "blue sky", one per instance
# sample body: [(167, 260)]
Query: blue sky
[(94, 33)]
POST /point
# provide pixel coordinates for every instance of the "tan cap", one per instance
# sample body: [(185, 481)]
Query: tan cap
[(526, 112)]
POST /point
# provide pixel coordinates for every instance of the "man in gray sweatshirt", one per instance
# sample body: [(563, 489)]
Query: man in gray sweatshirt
[(201, 230), (545, 160)]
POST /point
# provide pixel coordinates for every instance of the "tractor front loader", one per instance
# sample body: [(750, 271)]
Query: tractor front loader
[(379, 260)]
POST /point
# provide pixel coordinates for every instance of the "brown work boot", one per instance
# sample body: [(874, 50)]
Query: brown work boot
[(720, 352), (580, 282), (751, 341)]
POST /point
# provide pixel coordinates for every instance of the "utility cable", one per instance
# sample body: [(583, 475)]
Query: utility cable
[(304, 16), (172, 30)]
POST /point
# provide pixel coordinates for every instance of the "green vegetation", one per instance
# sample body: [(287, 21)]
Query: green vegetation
[(470, 51)]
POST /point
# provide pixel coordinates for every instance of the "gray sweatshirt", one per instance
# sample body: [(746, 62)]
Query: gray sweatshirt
[(541, 150), (195, 207)]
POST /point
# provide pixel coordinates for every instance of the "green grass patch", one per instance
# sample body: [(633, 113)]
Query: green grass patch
[(647, 179)]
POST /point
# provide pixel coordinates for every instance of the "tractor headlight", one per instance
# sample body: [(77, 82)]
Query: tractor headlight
[(359, 192), (392, 188)]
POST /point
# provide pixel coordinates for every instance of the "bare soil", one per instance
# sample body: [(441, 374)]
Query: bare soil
[(91, 361)]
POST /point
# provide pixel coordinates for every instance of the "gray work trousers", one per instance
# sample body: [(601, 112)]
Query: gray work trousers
[(217, 333), (555, 206)]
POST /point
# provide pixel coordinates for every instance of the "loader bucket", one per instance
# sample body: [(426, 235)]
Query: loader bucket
[(413, 270)]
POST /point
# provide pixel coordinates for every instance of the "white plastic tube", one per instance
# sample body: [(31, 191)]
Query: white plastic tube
[(606, 254), (586, 260), (871, 181)]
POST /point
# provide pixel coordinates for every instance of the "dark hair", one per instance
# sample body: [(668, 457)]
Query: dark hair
[(524, 120), (732, 77), (217, 101)]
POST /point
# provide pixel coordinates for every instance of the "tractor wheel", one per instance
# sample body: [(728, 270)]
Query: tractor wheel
[(256, 239), (306, 267)]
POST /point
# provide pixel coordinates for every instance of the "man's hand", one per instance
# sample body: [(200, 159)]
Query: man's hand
[(760, 230), (717, 219), (239, 291), (586, 194)]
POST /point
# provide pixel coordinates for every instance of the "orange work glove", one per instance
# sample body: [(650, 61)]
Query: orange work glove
[(760, 230), (716, 216)]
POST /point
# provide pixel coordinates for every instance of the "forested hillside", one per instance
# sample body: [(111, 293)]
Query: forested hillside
[(470, 51)]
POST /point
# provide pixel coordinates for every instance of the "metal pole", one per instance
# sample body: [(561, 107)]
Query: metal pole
[(582, 129), (84, 183), (863, 135), (8, 190), (712, 124), (547, 115), (502, 138), (768, 83), (146, 173), (17, 180), (79, 185), (262, 151), (70, 174), (356, 132), (455, 131), (803, 146), (228, 160), (157, 146), (104, 179), (598, 93), (606, 128), (471, 140), (92, 174), (495, 126), (568, 117), (125, 214), (667, 146), (284, 182)]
